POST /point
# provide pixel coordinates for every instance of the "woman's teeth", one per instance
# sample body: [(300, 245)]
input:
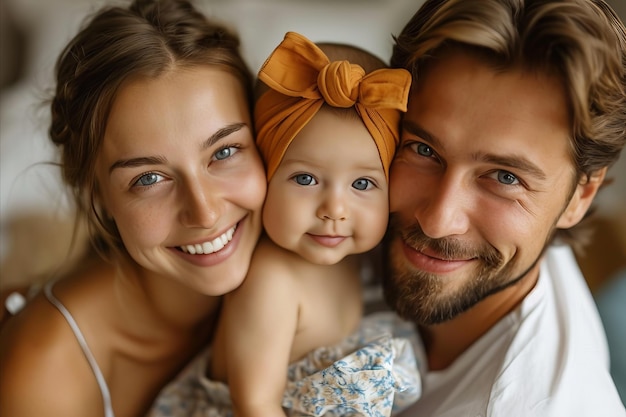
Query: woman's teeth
[(210, 247)]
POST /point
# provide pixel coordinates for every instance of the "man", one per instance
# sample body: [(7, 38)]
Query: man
[(517, 109)]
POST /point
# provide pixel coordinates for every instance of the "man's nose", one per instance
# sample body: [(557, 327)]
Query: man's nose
[(444, 208)]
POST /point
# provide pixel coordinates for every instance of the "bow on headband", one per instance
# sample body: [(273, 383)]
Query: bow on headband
[(301, 79)]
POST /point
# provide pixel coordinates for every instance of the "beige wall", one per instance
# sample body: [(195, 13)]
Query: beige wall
[(620, 7), (607, 254)]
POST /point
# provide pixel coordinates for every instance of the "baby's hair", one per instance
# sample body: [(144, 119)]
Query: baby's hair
[(353, 54), (339, 52)]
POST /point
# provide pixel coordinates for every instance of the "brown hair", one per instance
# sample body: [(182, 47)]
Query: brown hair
[(582, 41), (145, 39)]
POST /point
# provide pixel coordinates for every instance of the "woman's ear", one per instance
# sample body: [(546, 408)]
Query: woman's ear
[(581, 200)]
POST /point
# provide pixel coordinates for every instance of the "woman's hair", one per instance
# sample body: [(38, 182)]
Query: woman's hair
[(581, 41), (145, 39)]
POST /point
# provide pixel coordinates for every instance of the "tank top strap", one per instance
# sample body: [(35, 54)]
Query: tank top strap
[(104, 389)]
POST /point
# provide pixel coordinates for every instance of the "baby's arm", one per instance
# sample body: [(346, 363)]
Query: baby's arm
[(260, 323)]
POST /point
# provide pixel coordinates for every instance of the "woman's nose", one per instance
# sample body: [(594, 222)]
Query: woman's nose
[(201, 206)]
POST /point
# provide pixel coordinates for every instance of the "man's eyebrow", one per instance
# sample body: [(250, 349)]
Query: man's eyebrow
[(156, 160), (415, 129), (512, 161), (516, 162)]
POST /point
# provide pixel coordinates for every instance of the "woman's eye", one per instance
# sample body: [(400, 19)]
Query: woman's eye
[(305, 179), (148, 179), (507, 178), (225, 153), (362, 184)]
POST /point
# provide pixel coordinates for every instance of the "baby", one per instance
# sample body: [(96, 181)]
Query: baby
[(327, 132)]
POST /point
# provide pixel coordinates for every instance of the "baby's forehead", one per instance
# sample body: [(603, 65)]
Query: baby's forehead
[(345, 113), (329, 132)]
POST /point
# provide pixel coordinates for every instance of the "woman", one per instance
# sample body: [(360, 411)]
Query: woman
[(152, 118)]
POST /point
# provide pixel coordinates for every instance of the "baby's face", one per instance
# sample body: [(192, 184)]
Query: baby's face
[(329, 196)]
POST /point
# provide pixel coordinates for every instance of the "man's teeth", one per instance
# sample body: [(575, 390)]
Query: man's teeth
[(210, 247)]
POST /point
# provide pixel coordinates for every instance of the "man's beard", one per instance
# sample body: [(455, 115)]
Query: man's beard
[(422, 297)]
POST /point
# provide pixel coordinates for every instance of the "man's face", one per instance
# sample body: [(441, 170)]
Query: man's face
[(482, 178)]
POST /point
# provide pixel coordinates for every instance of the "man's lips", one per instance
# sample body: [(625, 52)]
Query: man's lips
[(329, 241), (429, 261)]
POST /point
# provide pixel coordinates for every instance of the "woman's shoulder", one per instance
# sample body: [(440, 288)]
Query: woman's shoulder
[(38, 358)]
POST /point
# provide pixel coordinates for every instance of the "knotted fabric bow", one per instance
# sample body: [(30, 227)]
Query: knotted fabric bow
[(302, 78)]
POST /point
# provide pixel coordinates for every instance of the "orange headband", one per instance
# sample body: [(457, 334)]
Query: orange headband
[(302, 79)]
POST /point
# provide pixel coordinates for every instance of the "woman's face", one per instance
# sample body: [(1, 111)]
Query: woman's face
[(180, 175)]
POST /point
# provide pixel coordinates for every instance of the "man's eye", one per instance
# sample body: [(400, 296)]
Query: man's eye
[(424, 150), (362, 184), (148, 179), (507, 178), (225, 153), (305, 179)]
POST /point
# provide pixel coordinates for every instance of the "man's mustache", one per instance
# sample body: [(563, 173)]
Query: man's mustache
[(447, 248)]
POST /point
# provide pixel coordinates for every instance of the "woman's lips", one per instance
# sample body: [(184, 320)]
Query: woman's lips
[(217, 257)]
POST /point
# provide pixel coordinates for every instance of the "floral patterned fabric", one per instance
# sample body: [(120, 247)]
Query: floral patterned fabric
[(371, 373)]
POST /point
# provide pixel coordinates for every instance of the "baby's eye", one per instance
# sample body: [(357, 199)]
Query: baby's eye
[(505, 177), (305, 179), (225, 153), (148, 179), (362, 184)]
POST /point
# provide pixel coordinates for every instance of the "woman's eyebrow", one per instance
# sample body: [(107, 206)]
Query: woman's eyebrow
[(135, 162), (156, 160), (222, 133)]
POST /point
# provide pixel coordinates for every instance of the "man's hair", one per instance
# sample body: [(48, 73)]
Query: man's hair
[(583, 42)]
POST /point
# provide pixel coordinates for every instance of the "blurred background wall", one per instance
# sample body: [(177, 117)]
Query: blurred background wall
[(35, 217)]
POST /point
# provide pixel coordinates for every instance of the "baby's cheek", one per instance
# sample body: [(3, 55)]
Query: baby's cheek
[(371, 233)]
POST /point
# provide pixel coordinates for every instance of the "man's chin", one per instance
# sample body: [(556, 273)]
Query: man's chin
[(429, 299)]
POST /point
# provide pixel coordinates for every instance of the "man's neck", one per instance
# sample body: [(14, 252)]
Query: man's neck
[(445, 342)]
